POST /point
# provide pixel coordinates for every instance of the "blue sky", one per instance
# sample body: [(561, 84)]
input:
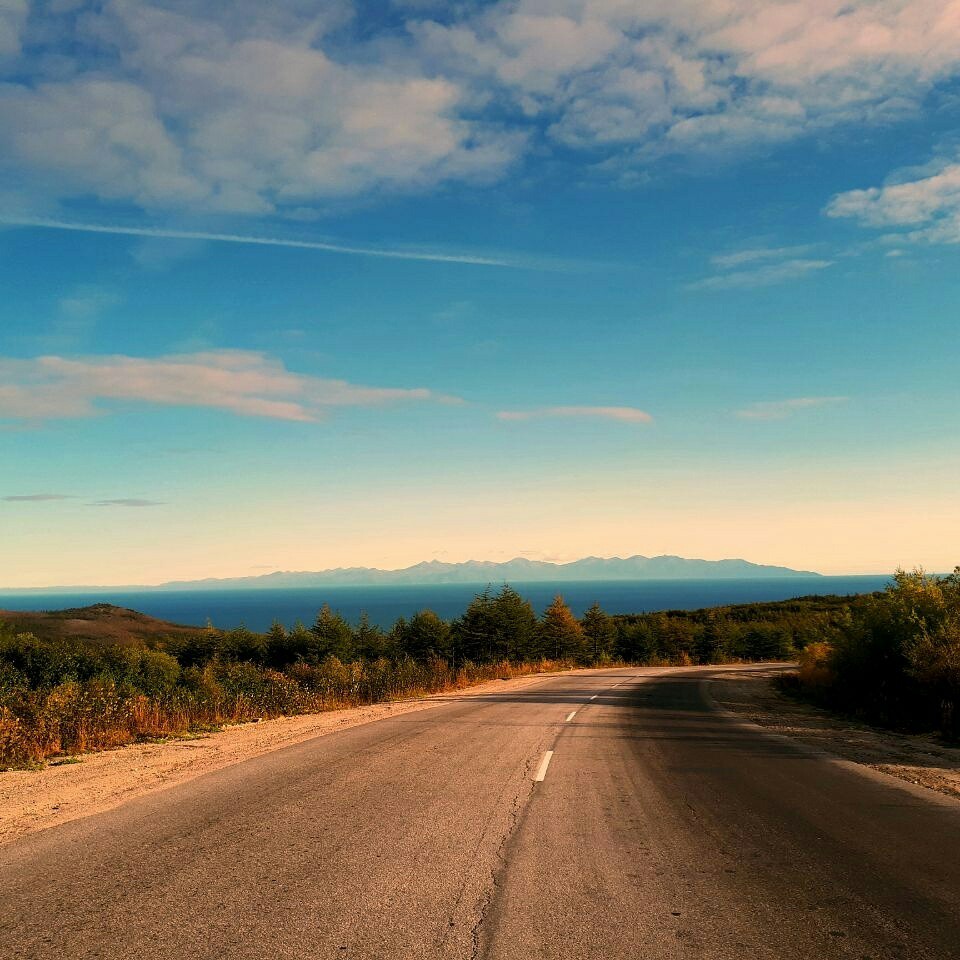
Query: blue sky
[(402, 281)]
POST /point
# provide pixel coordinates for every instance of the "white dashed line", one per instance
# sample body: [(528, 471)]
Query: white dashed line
[(570, 716), (594, 697), (542, 769)]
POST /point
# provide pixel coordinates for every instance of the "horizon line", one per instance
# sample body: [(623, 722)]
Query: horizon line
[(212, 582)]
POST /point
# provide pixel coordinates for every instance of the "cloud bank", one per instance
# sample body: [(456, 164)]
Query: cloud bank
[(240, 382), (175, 105)]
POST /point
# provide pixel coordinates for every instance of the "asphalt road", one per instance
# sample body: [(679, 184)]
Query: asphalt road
[(661, 828)]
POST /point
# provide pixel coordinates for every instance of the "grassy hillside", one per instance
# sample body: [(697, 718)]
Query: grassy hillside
[(99, 622)]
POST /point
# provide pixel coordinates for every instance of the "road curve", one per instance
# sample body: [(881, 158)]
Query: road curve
[(610, 813)]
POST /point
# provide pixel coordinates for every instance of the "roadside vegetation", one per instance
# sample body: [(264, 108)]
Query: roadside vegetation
[(62, 695), (895, 659)]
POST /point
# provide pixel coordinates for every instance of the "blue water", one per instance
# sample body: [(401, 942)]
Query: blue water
[(383, 604)]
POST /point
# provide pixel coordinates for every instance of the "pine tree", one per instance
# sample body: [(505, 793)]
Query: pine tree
[(561, 632), (426, 636), (600, 633), (368, 639), (334, 638)]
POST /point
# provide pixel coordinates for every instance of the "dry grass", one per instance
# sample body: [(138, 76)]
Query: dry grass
[(74, 718)]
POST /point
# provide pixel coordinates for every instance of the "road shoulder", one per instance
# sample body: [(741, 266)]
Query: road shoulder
[(76, 787), (921, 760)]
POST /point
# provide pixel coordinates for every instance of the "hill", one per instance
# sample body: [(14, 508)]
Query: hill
[(100, 622)]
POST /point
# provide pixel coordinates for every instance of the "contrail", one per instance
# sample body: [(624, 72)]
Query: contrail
[(168, 234)]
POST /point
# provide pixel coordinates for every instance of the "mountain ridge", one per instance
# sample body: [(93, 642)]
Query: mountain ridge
[(518, 569)]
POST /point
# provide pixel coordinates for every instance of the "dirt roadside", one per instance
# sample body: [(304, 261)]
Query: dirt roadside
[(78, 787), (920, 759)]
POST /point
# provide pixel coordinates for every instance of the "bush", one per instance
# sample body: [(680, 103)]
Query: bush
[(895, 660)]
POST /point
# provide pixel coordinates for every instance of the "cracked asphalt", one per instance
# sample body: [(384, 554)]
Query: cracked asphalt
[(662, 828)]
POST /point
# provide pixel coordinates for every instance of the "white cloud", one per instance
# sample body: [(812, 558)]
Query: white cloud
[(782, 409), (248, 114), (177, 104), (929, 204), (620, 414), (240, 382), (99, 136), (689, 75)]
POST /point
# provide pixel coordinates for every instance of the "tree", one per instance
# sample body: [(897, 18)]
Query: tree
[(516, 626), (241, 644), (368, 639), (426, 636), (496, 628), (635, 640), (474, 633), (600, 633), (334, 638), (561, 632), (278, 646)]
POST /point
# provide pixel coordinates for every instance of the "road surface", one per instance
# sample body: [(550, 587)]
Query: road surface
[(602, 814)]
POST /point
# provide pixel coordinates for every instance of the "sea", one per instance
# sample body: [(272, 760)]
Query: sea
[(258, 608)]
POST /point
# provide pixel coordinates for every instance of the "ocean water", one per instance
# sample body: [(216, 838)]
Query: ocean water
[(256, 609)]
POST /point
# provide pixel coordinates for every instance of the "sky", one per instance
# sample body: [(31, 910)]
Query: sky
[(299, 285)]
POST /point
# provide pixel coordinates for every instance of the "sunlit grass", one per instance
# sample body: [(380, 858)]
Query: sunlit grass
[(79, 717)]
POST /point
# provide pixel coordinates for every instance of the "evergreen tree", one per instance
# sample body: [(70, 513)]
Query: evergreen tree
[(515, 623), (242, 644), (561, 632), (474, 633), (394, 639), (501, 627), (600, 633), (333, 635), (368, 639), (426, 636)]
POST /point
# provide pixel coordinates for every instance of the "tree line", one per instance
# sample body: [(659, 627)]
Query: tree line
[(503, 626), (70, 695), (894, 660)]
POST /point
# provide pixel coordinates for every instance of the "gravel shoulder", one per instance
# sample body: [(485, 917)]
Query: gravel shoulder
[(924, 760), (69, 789)]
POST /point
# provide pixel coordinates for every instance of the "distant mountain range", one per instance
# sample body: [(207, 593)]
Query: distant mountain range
[(518, 570)]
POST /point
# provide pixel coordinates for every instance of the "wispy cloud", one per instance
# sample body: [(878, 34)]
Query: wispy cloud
[(782, 409), (764, 275), (432, 256), (737, 258), (86, 303), (241, 382), (55, 497), (620, 414), (126, 502)]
